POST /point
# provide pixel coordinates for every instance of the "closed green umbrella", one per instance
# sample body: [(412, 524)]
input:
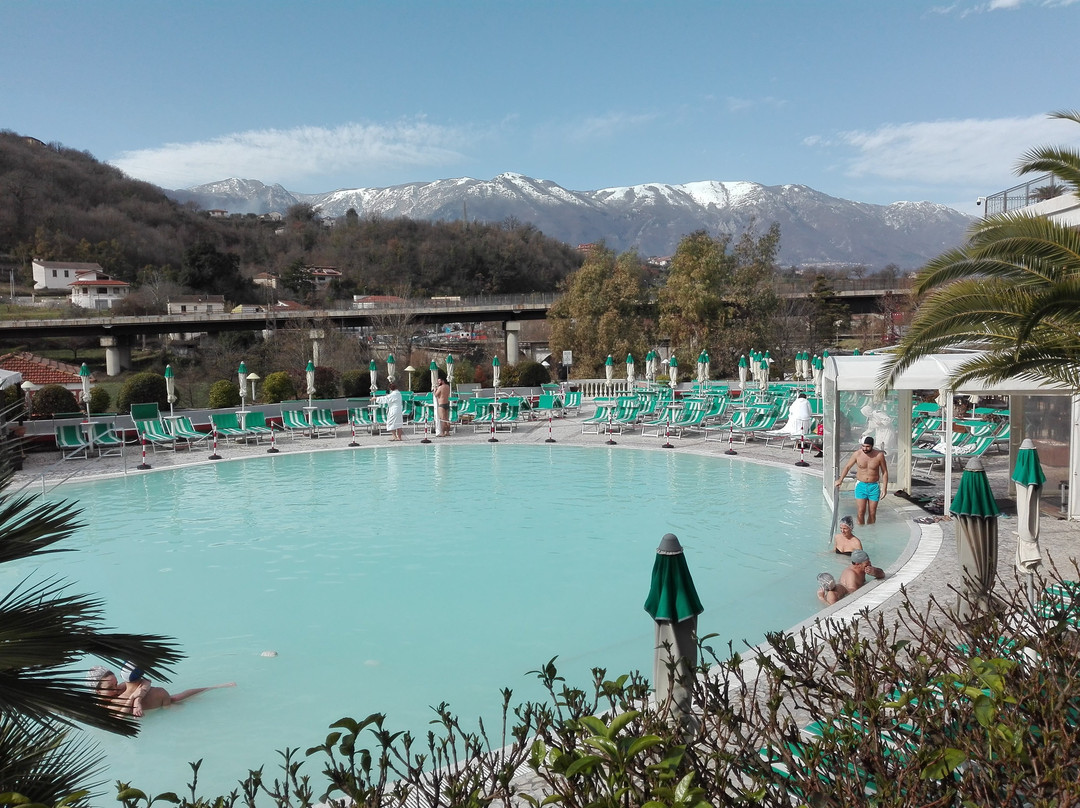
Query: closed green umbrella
[(976, 515), (241, 375), (673, 370), (170, 387), (674, 605), (1029, 478)]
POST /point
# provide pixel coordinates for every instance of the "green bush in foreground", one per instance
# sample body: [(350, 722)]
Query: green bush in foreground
[(143, 388), (51, 399), (917, 712), (277, 387)]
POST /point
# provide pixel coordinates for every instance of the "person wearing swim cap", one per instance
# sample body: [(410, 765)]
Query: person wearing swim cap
[(872, 478), (855, 575), (829, 591), (845, 542)]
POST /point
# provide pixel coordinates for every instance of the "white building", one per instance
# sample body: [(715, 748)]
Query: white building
[(58, 274), (93, 289)]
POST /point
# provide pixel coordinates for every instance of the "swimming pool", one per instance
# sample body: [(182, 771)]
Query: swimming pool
[(394, 578)]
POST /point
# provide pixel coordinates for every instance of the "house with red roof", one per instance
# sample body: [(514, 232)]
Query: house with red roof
[(40, 371), (93, 289)]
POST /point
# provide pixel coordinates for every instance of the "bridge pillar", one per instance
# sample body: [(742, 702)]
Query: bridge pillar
[(316, 335), (512, 327), (117, 355)]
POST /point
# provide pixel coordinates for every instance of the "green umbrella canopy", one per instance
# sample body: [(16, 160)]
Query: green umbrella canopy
[(672, 363), (1028, 469), (974, 497), (610, 360), (672, 595), (311, 366), (742, 361)]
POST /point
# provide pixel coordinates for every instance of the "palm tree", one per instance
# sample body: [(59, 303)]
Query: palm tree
[(45, 633), (1012, 291)]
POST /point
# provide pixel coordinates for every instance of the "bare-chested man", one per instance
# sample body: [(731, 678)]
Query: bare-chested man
[(872, 477), (442, 409), (855, 575), (829, 591)]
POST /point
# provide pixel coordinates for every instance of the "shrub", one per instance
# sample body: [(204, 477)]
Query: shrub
[(143, 388), (532, 374), (99, 399), (277, 387), (51, 399), (224, 393), (355, 383), (326, 382)]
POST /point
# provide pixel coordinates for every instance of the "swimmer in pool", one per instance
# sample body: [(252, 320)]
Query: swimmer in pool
[(132, 694), (829, 591), (845, 542)]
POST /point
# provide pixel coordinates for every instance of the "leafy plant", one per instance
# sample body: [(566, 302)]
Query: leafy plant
[(51, 399), (277, 387), (224, 393), (99, 399), (143, 388)]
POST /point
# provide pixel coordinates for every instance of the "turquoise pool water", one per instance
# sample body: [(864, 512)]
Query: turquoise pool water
[(391, 579)]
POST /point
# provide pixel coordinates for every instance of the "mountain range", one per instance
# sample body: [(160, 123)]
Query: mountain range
[(816, 229)]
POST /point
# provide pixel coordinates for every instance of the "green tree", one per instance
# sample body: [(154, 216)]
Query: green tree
[(719, 295), (46, 629), (206, 269), (297, 278), (53, 398), (277, 387), (602, 311), (1013, 290), (825, 312)]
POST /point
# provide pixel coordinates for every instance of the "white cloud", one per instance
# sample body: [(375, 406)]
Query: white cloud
[(605, 127), (739, 104), (290, 156), (939, 153), (966, 9)]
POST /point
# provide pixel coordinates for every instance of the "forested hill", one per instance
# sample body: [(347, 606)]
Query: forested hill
[(64, 205)]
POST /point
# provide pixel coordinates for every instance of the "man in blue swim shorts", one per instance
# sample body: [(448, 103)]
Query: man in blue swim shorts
[(872, 475)]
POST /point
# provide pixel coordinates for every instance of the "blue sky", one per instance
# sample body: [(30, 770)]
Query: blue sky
[(869, 100)]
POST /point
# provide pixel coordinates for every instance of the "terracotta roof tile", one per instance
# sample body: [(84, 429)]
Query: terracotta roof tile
[(41, 371)]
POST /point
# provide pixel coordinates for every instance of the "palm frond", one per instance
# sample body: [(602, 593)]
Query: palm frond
[(44, 764), (28, 526)]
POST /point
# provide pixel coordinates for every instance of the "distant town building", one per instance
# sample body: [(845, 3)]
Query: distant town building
[(93, 289), (267, 279), (196, 304), (374, 301), (321, 276)]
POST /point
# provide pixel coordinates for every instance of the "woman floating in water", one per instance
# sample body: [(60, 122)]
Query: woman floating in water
[(132, 693)]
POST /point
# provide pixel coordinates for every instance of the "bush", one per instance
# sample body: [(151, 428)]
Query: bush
[(355, 383), (224, 393), (277, 387), (143, 388), (99, 399), (51, 399), (532, 374), (326, 382)]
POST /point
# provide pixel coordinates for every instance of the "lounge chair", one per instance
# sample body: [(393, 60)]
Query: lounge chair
[(155, 433), (182, 429), (293, 421), (601, 417), (256, 424), (548, 404), (572, 403), (105, 441), (322, 420), (72, 443), (227, 425)]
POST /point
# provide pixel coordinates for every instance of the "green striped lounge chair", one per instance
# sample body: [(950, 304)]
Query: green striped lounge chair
[(256, 425), (105, 441), (155, 433), (71, 442), (182, 429), (228, 426), (322, 420), (293, 421)]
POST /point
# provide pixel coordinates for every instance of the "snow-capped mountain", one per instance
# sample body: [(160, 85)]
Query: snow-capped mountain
[(815, 228)]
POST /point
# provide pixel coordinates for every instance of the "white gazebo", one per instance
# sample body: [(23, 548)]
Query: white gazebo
[(854, 405)]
